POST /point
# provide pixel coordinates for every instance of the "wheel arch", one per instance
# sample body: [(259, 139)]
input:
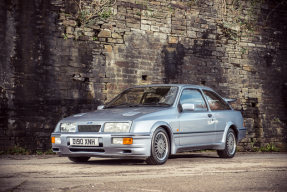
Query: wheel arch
[(169, 131), (232, 126)]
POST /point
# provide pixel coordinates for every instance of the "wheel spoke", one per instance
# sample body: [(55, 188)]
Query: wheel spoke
[(160, 146), (231, 143)]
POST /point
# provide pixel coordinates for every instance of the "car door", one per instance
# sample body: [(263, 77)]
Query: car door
[(221, 111), (197, 126)]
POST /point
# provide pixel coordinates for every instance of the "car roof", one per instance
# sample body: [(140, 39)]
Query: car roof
[(177, 85)]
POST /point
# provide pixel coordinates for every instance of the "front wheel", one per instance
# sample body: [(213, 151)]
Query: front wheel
[(230, 145), (160, 148), (79, 159)]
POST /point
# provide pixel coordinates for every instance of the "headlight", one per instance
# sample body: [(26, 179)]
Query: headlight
[(68, 127), (116, 127)]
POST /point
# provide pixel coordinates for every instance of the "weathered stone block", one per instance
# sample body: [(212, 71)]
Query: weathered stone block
[(111, 40), (116, 36), (165, 30), (173, 40), (105, 34), (146, 22), (69, 23), (70, 30), (90, 34), (108, 48), (132, 25), (191, 34), (145, 27), (154, 28)]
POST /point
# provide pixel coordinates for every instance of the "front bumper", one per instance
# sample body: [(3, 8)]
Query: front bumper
[(140, 148)]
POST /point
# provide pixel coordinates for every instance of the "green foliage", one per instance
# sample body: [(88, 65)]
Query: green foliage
[(16, 150), (39, 152), (243, 50), (252, 142), (95, 38), (84, 20), (49, 152), (170, 9), (191, 2), (90, 11), (65, 36), (276, 120), (138, 13), (105, 14), (240, 17), (270, 147)]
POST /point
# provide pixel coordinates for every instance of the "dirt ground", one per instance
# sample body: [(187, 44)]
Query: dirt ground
[(182, 172)]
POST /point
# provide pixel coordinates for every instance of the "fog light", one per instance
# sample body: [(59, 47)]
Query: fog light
[(123, 141), (56, 140), (117, 140)]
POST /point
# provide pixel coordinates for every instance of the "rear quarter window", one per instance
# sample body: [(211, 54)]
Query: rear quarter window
[(215, 102)]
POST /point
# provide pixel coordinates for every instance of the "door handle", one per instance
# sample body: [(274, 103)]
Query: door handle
[(209, 115)]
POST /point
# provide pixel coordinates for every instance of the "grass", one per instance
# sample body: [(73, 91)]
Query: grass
[(269, 148), (16, 150)]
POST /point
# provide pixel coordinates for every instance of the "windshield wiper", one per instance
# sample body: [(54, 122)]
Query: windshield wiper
[(124, 104), (156, 104)]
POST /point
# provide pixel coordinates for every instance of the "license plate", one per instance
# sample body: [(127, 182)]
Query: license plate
[(84, 141)]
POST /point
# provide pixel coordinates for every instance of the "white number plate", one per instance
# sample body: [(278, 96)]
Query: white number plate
[(84, 141)]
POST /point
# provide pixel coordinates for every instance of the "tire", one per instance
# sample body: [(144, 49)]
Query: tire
[(79, 159), (160, 148), (230, 145)]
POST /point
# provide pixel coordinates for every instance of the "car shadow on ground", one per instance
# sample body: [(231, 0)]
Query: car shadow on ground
[(115, 161), (122, 161), (182, 156)]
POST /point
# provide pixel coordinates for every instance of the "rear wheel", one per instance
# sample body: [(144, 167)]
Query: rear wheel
[(160, 148), (79, 159), (230, 145)]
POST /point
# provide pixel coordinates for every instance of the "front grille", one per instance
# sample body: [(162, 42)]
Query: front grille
[(89, 128)]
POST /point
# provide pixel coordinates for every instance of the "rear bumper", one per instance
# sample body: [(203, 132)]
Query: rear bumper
[(140, 148), (242, 133)]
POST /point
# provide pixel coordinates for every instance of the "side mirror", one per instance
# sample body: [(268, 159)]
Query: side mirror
[(100, 107), (188, 107)]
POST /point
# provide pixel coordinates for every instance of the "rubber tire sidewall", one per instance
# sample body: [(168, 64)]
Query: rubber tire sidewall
[(224, 153), (152, 160)]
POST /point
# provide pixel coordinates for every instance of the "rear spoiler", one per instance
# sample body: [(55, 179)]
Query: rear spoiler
[(229, 100)]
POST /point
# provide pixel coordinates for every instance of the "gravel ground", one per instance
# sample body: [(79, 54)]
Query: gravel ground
[(182, 172)]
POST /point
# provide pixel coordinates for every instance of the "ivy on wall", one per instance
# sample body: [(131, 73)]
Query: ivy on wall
[(89, 12), (239, 17)]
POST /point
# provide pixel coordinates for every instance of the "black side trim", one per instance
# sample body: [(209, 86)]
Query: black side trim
[(243, 129), (127, 135), (198, 132)]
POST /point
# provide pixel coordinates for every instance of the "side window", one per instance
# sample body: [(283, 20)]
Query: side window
[(215, 102), (194, 97)]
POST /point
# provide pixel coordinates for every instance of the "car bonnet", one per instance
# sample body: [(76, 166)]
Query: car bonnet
[(114, 114)]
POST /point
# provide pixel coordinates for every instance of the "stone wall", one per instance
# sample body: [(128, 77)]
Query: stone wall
[(51, 67)]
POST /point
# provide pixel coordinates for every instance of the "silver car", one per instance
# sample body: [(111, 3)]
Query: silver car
[(152, 122)]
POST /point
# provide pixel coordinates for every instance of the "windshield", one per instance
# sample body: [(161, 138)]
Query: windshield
[(145, 96)]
